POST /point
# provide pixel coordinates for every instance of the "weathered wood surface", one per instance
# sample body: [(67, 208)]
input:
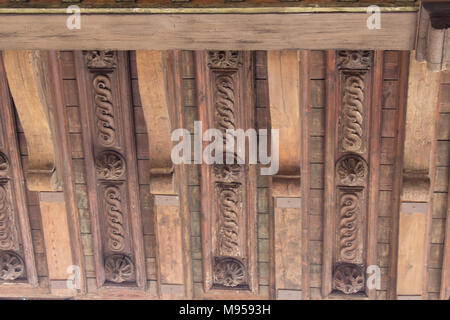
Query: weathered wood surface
[(418, 176), (226, 101), (158, 89), (411, 252), (16, 229), (29, 85), (111, 165), (215, 31)]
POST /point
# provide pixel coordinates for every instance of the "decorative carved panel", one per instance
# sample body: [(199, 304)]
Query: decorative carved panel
[(351, 183), (110, 157), (229, 209)]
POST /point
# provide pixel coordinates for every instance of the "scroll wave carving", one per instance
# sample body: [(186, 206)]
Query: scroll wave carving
[(12, 266), (349, 278), (230, 207), (104, 110), (352, 113), (119, 268), (223, 59), (229, 272), (224, 100), (110, 166), (116, 233), (348, 226), (8, 237)]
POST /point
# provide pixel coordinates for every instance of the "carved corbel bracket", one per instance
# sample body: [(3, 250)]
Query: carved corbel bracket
[(157, 107), (421, 119), (30, 86), (433, 36)]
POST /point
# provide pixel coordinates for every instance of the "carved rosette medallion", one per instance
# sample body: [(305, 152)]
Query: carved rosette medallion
[(110, 166), (348, 59), (12, 266), (119, 268), (223, 59), (229, 273), (349, 278), (351, 170), (100, 59)]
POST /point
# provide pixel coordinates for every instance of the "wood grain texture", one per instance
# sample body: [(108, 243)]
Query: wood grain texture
[(64, 162), (329, 192), (419, 155), (57, 240), (234, 72), (111, 133), (284, 85), (421, 115), (283, 75), (374, 165), (411, 253), (9, 144), (29, 85), (175, 31), (159, 91), (403, 71)]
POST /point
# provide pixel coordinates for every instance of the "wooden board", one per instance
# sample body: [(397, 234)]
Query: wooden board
[(411, 252), (215, 31), (56, 235)]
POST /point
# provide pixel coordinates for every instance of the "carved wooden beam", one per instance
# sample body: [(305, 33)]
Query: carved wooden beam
[(28, 81), (351, 170), (158, 78), (433, 37), (16, 247), (418, 179), (225, 96), (283, 71), (111, 164)]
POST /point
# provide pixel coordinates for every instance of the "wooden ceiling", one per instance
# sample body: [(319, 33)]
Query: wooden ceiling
[(92, 206), (89, 192)]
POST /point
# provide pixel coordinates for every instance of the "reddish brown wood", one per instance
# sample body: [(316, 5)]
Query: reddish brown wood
[(305, 110), (109, 72), (398, 171), (353, 122), (329, 202), (245, 250), (66, 166), (374, 165), (9, 146)]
